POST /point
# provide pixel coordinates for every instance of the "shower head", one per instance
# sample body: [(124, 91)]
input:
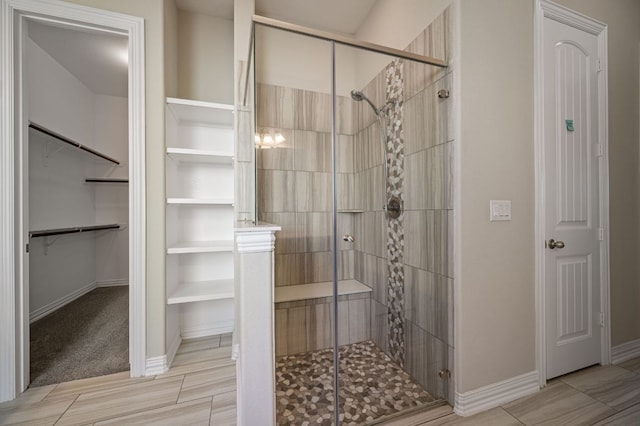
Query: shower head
[(358, 96)]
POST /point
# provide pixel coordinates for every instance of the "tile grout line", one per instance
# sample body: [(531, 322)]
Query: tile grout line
[(67, 409)]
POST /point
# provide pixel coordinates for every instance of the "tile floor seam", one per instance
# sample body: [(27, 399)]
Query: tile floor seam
[(616, 412), (67, 409), (180, 390), (512, 416)]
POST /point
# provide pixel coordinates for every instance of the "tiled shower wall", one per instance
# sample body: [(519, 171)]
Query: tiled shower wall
[(422, 340), (294, 191)]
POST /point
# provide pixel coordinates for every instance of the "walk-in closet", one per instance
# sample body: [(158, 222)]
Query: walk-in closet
[(78, 202)]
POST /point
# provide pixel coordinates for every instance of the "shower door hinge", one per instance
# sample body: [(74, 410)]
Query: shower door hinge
[(27, 247), (601, 319), (600, 150), (600, 234), (598, 65)]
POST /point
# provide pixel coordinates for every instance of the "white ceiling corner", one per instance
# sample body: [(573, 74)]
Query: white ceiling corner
[(96, 59)]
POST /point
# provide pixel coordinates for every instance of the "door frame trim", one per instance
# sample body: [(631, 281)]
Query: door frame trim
[(546, 9), (13, 301)]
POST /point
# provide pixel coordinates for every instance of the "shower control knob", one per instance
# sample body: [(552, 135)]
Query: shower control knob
[(348, 238)]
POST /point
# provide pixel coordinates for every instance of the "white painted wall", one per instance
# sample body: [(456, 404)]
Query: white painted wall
[(112, 200), (205, 57), (496, 320)]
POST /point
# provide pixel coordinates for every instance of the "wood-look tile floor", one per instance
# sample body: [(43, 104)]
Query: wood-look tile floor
[(200, 390), (600, 395)]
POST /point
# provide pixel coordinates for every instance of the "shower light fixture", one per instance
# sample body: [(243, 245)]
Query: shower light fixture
[(269, 140)]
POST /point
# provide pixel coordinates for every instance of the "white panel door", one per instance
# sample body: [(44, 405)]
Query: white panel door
[(572, 264)]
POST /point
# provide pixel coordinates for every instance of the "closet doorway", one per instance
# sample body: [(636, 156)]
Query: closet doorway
[(76, 87), (72, 201)]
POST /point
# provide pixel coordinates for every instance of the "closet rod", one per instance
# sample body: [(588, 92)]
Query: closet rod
[(106, 180), (62, 231), (71, 142)]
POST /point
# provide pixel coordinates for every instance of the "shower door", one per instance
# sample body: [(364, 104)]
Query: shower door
[(352, 159)]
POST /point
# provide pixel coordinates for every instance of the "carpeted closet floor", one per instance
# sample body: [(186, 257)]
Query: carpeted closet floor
[(88, 337)]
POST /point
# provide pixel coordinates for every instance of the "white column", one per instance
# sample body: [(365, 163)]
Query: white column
[(254, 343)]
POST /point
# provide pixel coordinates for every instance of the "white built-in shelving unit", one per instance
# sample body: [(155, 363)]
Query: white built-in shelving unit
[(199, 219)]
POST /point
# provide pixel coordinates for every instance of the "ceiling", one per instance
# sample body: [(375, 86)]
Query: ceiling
[(98, 60)]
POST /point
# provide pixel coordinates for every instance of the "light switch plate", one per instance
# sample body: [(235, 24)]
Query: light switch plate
[(499, 210)]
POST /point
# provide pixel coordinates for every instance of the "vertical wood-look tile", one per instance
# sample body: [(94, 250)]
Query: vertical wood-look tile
[(313, 192), (287, 238), (379, 325), (345, 151), (313, 232), (319, 323), (280, 331), (296, 330), (276, 191), (280, 157), (312, 151), (275, 106), (359, 320)]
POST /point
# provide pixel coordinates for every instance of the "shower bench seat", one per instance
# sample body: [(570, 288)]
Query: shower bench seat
[(303, 316), (290, 293)]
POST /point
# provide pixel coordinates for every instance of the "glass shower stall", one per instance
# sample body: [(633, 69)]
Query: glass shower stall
[(353, 159)]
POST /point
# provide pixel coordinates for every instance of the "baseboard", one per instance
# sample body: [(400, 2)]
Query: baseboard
[(173, 348), (112, 283), (497, 394), (625, 351), (57, 304), (206, 330), (156, 365)]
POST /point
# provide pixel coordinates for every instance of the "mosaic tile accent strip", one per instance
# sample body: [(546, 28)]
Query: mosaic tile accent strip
[(372, 386), (394, 190)]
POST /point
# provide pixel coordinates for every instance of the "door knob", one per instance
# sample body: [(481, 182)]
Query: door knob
[(552, 244)]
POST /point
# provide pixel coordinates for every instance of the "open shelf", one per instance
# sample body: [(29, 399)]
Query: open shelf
[(201, 112), (66, 140), (202, 290), (209, 201), (199, 156), (201, 247), (291, 293)]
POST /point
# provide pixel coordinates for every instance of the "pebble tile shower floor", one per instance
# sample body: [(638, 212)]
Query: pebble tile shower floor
[(372, 386)]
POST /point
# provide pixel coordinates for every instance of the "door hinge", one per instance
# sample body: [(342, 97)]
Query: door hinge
[(600, 234), (598, 65), (601, 319), (27, 247), (600, 150)]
